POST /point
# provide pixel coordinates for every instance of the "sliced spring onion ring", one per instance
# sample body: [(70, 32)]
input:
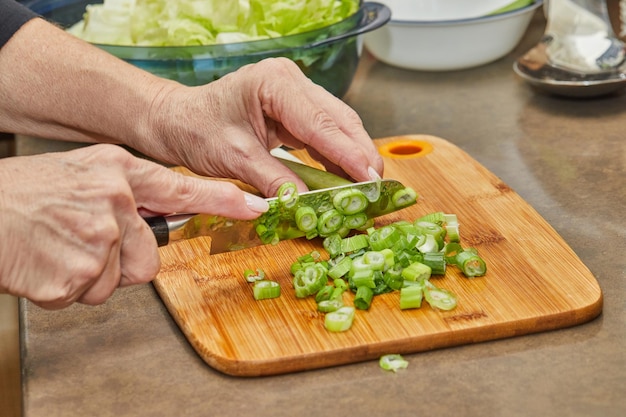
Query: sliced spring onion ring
[(339, 320), (288, 194), (265, 289), (393, 362), (350, 201)]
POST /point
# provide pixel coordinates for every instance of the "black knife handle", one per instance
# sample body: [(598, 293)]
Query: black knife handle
[(160, 229)]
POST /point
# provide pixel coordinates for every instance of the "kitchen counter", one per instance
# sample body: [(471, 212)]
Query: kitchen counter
[(566, 157)]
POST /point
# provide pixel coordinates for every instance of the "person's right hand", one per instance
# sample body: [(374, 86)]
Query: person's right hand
[(71, 226)]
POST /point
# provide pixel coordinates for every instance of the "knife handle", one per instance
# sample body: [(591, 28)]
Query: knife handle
[(160, 228)]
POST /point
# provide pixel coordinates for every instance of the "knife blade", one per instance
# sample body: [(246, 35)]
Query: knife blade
[(231, 234)]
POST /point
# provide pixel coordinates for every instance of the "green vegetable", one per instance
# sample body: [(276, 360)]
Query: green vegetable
[(363, 298), (310, 280), (339, 320), (253, 276), (439, 298), (411, 295), (288, 195), (192, 22), (265, 289), (470, 263), (392, 362), (350, 201), (315, 179), (306, 219)]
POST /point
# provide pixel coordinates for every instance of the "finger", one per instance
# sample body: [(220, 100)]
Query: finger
[(321, 121), (140, 261), (161, 190)]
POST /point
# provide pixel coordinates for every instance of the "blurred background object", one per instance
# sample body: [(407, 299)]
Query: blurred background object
[(412, 41)]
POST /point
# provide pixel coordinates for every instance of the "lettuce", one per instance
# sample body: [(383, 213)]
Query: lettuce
[(205, 22)]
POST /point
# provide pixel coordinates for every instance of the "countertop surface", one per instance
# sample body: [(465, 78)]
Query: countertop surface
[(566, 157)]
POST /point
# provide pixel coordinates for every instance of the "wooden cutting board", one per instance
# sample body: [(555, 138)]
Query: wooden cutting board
[(535, 282)]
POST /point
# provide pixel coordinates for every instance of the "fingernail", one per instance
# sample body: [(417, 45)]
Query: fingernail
[(256, 203), (373, 174)]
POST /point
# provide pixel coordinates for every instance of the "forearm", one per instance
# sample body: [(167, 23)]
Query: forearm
[(56, 86)]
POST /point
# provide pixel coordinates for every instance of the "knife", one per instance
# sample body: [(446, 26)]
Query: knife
[(231, 234)]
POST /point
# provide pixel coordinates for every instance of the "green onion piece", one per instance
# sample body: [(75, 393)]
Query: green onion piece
[(288, 194), (439, 298), (389, 258), (253, 276), (438, 217), (369, 223), (350, 201), (470, 263), (411, 295), (450, 251), (354, 243), (328, 306), (324, 293), (392, 362), (384, 237), (363, 278), (429, 228), (404, 197), (393, 277), (328, 222), (340, 283), (312, 234), (429, 244), (310, 280), (436, 261), (355, 221), (339, 320), (306, 219), (333, 244), (363, 297), (338, 293), (374, 259), (341, 268), (416, 271), (265, 289)]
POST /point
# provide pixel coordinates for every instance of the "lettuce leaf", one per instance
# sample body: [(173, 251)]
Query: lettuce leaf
[(205, 22)]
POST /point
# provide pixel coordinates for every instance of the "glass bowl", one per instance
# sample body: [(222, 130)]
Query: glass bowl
[(328, 56)]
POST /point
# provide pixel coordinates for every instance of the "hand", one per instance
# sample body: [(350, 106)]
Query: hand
[(71, 227), (225, 128)]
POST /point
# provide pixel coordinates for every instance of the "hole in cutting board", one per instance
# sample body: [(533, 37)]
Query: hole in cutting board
[(401, 149)]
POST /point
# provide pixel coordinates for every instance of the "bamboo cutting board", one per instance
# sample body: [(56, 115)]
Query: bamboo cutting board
[(535, 282)]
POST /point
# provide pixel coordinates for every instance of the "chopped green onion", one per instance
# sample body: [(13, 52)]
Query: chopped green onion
[(328, 222), (436, 261), (411, 295), (354, 243), (350, 201), (392, 362), (310, 280), (288, 194), (333, 244), (341, 268), (427, 243), (339, 320), (355, 221), (470, 263), (340, 283), (404, 197), (416, 271), (363, 297), (384, 237), (363, 277), (324, 294), (328, 306), (265, 289), (439, 298), (253, 276), (451, 250), (306, 219), (374, 259), (393, 277)]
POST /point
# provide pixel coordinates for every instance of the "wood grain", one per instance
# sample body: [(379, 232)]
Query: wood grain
[(535, 282)]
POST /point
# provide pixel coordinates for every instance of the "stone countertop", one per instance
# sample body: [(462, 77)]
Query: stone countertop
[(566, 157)]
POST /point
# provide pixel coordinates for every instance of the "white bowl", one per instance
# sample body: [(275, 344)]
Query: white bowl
[(439, 10), (451, 44)]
